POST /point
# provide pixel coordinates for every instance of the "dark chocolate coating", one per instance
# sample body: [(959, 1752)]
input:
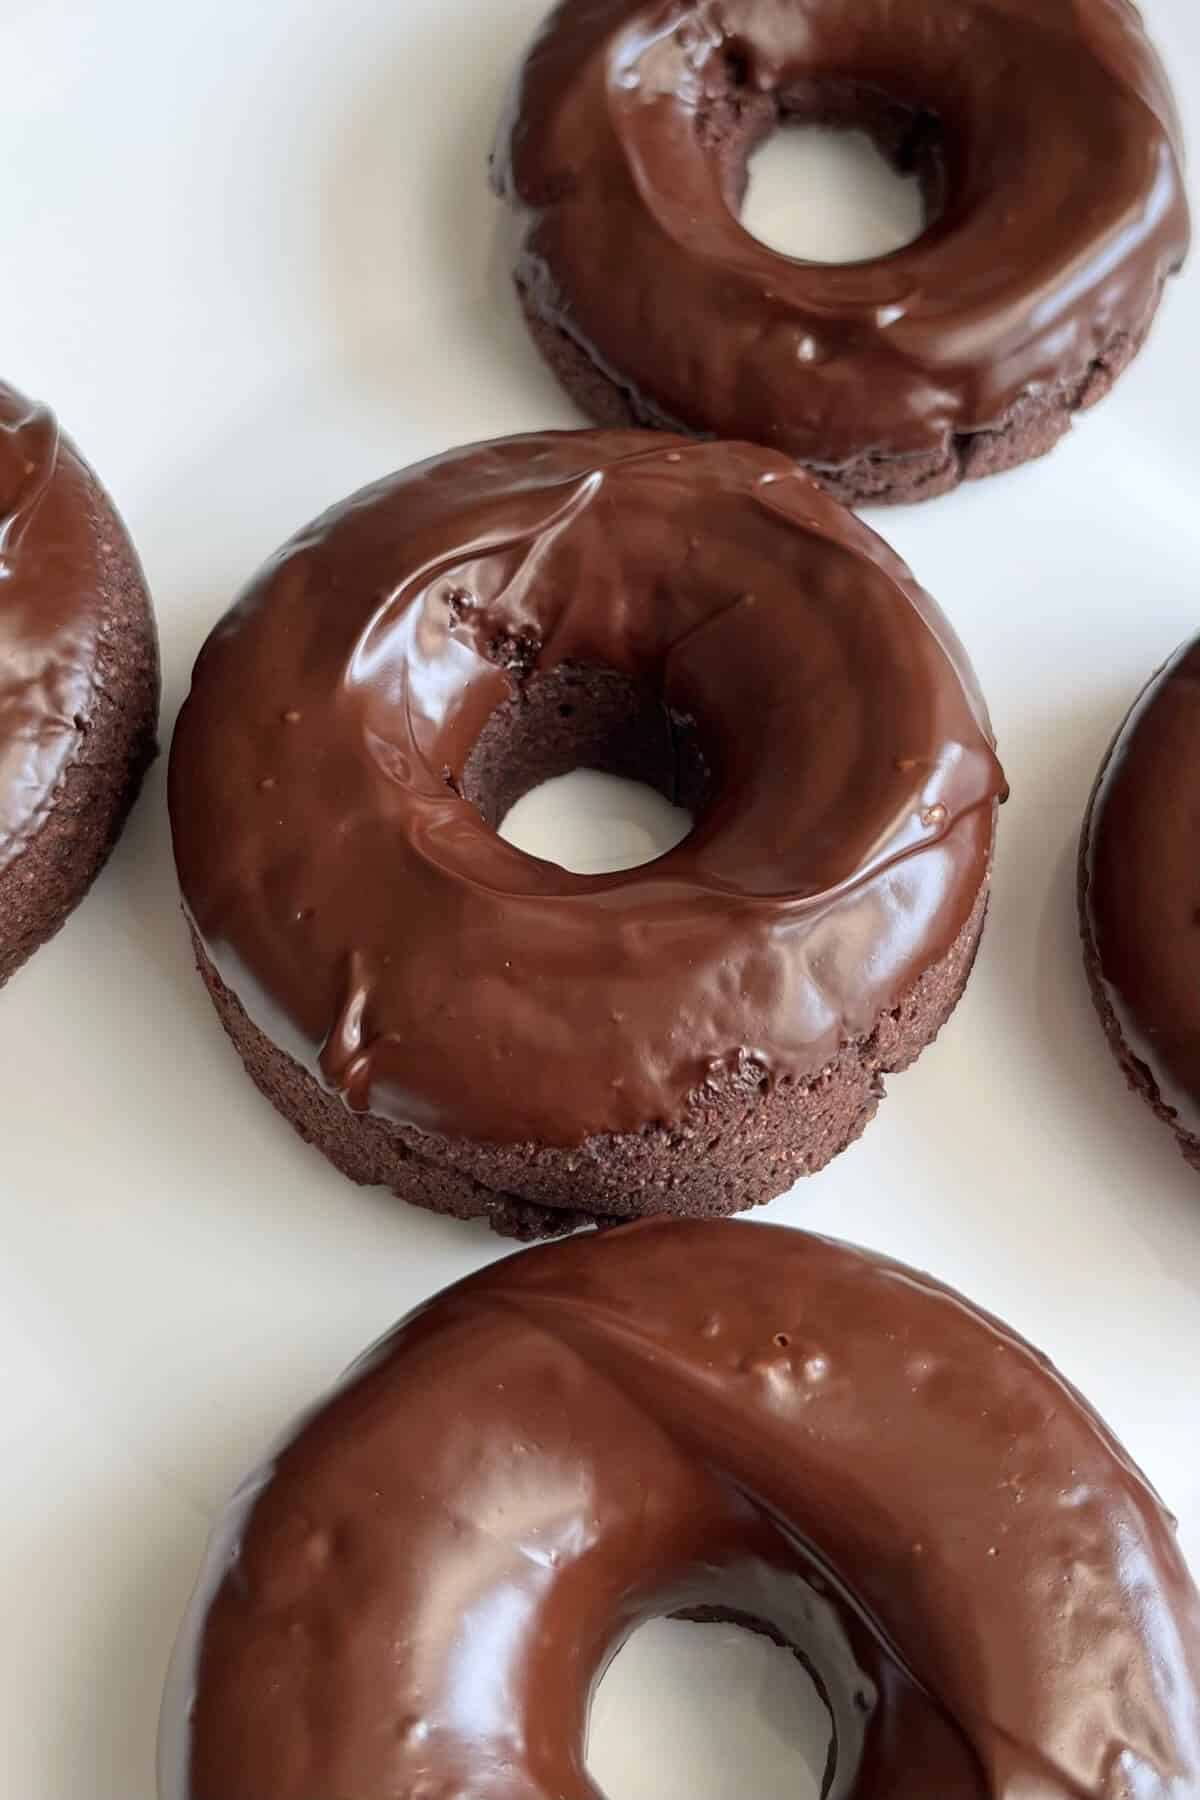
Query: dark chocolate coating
[(78, 677), (345, 888), (742, 1141), (1140, 895), (415, 1597), (1051, 158)]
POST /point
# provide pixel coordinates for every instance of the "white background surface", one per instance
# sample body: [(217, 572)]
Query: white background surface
[(247, 256)]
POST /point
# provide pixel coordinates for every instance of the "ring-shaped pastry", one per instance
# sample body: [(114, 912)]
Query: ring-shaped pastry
[(1050, 154), (486, 1032), (419, 1592)]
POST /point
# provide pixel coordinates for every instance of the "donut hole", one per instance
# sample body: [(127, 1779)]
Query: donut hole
[(707, 1711), (831, 171), (588, 768), (594, 824), (825, 196)]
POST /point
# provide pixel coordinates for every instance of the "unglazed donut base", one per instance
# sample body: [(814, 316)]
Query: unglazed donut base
[(43, 886), (739, 1149), (1028, 430)]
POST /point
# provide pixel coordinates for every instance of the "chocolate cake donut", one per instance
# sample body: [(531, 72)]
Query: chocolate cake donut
[(1139, 896), (1049, 151), (418, 1593), (78, 678), (481, 1030)]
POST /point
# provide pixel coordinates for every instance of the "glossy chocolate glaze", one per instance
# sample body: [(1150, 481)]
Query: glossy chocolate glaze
[(1141, 897), (1052, 162), (51, 611), (418, 1594), (374, 926)]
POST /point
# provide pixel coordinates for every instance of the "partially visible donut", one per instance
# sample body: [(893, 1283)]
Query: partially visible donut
[(416, 1595), (78, 678), (1050, 153), (482, 1031), (1139, 896)]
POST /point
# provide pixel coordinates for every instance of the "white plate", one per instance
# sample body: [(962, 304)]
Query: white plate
[(247, 255)]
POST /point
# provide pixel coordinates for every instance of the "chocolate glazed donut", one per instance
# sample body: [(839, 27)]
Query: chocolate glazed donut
[(78, 677), (1139, 896), (418, 1594), (483, 1031), (1050, 154)]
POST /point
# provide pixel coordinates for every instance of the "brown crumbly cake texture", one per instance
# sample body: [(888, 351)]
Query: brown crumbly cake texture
[(118, 743), (741, 1144), (1139, 1078), (1031, 428)]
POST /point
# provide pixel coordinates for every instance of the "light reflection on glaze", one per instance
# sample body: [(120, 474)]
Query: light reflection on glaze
[(1064, 212), (989, 1591), (28, 460), (49, 615), (357, 897)]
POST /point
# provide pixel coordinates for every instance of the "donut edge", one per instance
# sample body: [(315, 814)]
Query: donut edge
[(118, 743), (750, 1143), (1029, 429), (1139, 1077)]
